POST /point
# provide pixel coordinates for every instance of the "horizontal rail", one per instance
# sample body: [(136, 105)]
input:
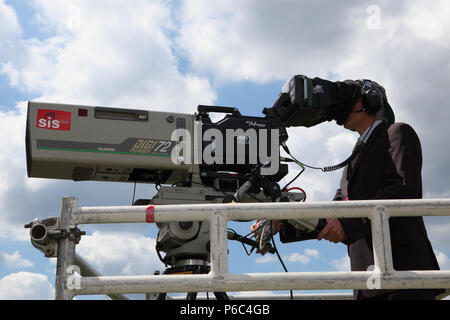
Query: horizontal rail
[(271, 210), (263, 281)]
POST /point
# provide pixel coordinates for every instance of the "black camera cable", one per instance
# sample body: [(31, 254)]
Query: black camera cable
[(235, 236), (296, 177), (341, 165), (279, 257), (134, 193), (330, 168)]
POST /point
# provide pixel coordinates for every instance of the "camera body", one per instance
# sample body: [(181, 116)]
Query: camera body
[(200, 161), (83, 143)]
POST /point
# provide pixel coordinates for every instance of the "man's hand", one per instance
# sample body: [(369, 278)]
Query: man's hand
[(333, 231), (277, 224)]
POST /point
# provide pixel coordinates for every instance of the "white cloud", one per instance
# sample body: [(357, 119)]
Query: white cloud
[(13, 182), (312, 253), (438, 232), (14, 232), (304, 258), (12, 157), (318, 147), (13, 74), (297, 257), (266, 259), (119, 55), (340, 146), (342, 264), (9, 27), (430, 23), (25, 286), (14, 260), (262, 40), (120, 254), (443, 260)]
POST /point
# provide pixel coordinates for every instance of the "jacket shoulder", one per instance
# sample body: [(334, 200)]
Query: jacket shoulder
[(401, 127)]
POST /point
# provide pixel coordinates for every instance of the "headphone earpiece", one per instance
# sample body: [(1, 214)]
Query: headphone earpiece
[(371, 97)]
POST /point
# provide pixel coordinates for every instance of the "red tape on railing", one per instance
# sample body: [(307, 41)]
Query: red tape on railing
[(150, 214)]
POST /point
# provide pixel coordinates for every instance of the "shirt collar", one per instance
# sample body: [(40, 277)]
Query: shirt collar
[(366, 134)]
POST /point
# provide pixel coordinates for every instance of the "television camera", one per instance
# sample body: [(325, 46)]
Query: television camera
[(188, 157)]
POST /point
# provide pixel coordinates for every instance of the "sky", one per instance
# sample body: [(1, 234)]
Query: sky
[(174, 55)]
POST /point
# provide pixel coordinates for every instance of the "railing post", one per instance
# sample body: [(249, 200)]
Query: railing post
[(381, 238), (219, 245), (66, 251)]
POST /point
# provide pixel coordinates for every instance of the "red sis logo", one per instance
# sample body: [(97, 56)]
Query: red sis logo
[(53, 120)]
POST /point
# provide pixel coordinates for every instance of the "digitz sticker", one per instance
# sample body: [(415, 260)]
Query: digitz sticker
[(53, 120)]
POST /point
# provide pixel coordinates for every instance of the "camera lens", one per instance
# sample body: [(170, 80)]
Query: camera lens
[(185, 225)]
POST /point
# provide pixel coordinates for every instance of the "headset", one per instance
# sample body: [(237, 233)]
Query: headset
[(372, 100), (371, 97)]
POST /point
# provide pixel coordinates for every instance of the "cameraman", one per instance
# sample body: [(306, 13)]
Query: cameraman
[(388, 166)]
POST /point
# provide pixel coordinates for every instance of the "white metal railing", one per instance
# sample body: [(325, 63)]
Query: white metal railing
[(219, 280)]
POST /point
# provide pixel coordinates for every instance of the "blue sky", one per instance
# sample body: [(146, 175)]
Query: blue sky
[(174, 55)]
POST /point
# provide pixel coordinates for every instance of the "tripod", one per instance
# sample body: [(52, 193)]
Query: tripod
[(191, 266)]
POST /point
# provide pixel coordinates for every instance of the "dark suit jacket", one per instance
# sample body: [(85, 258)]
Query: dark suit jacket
[(388, 167)]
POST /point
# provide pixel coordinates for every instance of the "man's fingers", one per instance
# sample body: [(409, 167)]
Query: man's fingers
[(332, 231), (330, 234), (324, 232), (254, 226), (337, 237), (278, 225)]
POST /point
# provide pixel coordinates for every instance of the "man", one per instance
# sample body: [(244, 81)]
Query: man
[(388, 166)]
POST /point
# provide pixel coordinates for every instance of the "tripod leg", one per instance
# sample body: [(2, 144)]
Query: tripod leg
[(221, 296), (191, 296), (161, 296)]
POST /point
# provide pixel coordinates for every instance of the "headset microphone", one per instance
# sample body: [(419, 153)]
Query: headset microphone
[(359, 110)]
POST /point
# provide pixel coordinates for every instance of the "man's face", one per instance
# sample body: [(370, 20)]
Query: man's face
[(354, 117)]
